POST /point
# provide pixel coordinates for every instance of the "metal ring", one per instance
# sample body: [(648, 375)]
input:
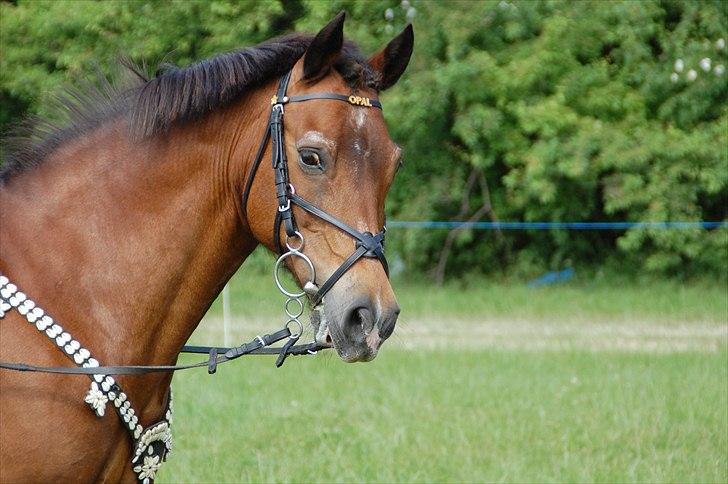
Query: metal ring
[(300, 327), (300, 308), (300, 237), (278, 265), (291, 189)]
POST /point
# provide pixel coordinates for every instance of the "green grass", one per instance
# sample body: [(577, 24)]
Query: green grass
[(636, 408), (456, 416)]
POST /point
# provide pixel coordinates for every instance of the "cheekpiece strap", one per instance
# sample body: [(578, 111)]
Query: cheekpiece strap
[(278, 158)]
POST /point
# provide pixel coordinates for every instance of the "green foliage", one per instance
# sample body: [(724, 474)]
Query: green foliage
[(570, 111), (573, 111), (48, 44)]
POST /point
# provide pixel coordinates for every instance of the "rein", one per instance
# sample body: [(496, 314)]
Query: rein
[(218, 356)]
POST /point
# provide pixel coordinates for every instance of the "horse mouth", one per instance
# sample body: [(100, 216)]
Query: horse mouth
[(321, 327), (328, 335)]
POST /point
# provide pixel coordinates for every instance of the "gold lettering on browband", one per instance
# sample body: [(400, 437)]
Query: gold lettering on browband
[(360, 101)]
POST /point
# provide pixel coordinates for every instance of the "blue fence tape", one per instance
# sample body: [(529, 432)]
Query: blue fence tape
[(553, 278), (431, 224)]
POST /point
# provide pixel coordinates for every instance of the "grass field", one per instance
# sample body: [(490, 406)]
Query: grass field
[(583, 382)]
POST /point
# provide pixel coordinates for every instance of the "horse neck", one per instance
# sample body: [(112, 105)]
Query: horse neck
[(127, 243)]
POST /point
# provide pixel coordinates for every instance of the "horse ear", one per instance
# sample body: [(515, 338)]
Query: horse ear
[(391, 61), (324, 49)]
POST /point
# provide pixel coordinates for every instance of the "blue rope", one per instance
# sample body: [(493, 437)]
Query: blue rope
[(431, 224)]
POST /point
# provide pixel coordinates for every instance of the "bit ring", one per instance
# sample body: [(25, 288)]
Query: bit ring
[(298, 312), (297, 235), (312, 272), (300, 327)]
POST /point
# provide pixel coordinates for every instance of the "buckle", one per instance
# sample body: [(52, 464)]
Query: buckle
[(286, 207)]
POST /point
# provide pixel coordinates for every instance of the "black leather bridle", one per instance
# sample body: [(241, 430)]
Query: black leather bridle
[(366, 244)]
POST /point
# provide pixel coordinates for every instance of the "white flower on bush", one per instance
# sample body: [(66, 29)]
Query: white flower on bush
[(692, 75), (720, 44), (679, 65), (389, 14), (719, 69), (705, 64), (674, 77)]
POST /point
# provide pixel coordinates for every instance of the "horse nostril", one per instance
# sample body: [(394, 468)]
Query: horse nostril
[(386, 324), (366, 322), (359, 323)]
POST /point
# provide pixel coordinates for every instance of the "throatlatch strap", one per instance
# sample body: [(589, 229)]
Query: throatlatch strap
[(254, 169)]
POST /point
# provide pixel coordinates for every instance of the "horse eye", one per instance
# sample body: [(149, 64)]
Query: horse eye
[(309, 158)]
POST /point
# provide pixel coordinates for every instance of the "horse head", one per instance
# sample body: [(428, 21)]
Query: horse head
[(341, 160)]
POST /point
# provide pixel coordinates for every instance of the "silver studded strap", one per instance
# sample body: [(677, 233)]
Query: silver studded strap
[(151, 446)]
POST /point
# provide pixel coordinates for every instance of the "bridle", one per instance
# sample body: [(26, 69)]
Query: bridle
[(152, 444), (366, 244)]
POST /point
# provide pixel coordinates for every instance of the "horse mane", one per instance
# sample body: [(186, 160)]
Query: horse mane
[(173, 96)]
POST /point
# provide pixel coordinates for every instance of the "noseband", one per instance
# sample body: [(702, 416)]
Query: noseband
[(366, 244)]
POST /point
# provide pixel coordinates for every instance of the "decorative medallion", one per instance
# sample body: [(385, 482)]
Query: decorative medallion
[(96, 399)]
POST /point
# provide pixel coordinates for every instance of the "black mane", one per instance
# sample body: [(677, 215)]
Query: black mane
[(174, 96)]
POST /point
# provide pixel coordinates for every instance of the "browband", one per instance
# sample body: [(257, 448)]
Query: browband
[(355, 100)]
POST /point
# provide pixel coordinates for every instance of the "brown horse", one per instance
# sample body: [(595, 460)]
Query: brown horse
[(125, 226)]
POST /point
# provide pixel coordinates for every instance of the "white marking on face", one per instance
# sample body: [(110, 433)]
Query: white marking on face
[(358, 121), (360, 117), (358, 149)]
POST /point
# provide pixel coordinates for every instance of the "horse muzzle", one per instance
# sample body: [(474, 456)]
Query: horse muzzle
[(356, 330)]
